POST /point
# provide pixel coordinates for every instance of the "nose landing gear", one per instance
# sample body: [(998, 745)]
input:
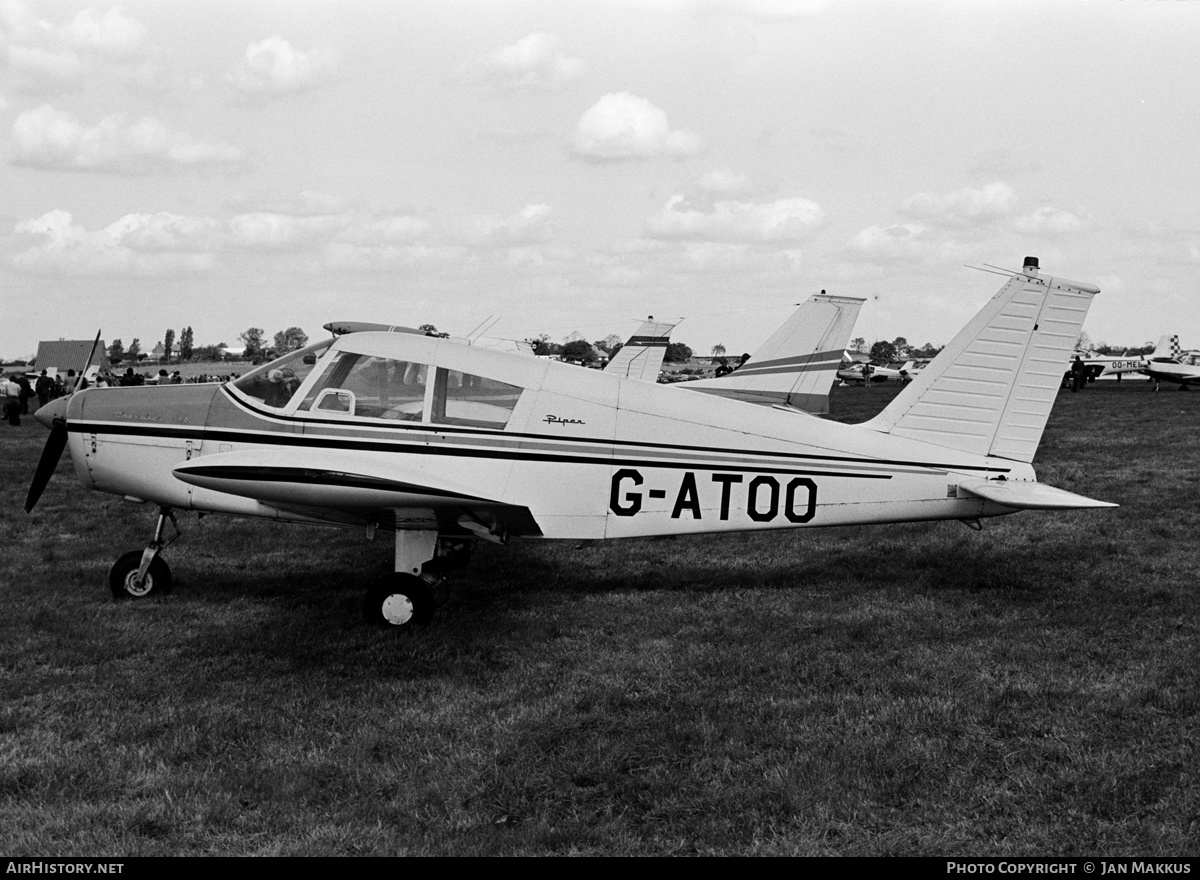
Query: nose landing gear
[(139, 574)]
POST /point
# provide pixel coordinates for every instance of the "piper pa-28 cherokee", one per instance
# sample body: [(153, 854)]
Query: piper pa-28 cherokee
[(447, 444)]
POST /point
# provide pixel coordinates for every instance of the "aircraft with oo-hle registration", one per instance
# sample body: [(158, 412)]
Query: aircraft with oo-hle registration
[(446, 444)]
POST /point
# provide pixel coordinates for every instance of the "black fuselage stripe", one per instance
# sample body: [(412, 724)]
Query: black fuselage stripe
[(647, 444), (515, 455)]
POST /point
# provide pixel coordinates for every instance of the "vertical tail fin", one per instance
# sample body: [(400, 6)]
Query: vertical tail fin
[(990, 390), (798, 363), (1167, 348), (642, 356)]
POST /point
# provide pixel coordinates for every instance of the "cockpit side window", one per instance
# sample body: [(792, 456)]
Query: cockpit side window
[(377, 387), (275, 383)]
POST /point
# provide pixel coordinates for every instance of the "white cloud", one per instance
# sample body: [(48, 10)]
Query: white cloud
[(532, 62), (267, 231), (166, 233), (530, 225), (893, 243), (784, 220), (48, 138), (1049, 221), (273, 68), (45, 57), (723, 182), (624, 126), (68, 249), (110, 33), (962, 207)]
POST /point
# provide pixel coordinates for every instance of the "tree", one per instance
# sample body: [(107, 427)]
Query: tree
[(209, 352), (543, 346), (609, 344), (430, 330), (883, 352), (168, 344), (902, 347), (116, 351), (186, 342), (135, 350), (677, 352), (289, 340), (718, 350), (579, 350), (858, 344), (253, 340)]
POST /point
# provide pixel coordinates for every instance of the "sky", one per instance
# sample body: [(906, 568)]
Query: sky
[(567, 168)]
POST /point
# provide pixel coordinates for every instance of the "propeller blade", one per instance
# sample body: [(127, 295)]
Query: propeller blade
[(55, 443)]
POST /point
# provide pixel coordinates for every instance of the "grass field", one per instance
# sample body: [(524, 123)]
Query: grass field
[(1031, 689)]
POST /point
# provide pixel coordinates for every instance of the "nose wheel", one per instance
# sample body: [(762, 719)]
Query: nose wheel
[(124, 582), (142, 573)]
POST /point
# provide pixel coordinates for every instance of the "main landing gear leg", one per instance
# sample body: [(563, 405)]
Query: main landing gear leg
[(141, 573), (404, 598)]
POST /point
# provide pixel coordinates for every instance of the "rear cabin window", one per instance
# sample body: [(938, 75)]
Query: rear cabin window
[(473, 401)]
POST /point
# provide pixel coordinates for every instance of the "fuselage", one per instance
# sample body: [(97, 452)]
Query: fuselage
[(1170, 370), (538, 448)]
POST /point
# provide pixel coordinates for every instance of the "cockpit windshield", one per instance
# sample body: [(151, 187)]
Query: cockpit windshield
[(274, 383)]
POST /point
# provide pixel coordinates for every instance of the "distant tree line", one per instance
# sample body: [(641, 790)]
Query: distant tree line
[(185, 349)]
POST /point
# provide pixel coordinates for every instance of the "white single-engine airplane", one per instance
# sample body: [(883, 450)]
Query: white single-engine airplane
[(446, 444), (798, 363), (1170, 363)]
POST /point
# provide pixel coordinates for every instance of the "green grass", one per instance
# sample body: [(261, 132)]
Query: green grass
[(1030, 689)]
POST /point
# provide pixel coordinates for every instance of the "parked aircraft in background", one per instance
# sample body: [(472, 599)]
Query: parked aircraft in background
[(641, 357), (798, 363), (1101, 365), (853, 373), (1169, 363), (447, 444)]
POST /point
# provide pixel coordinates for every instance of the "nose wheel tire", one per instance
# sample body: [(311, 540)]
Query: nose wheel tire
[(122, 578), (398, 600)]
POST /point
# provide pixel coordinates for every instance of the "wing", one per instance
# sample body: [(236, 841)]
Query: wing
[(346, 489)]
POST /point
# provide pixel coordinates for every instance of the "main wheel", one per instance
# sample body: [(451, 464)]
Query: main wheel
[(122, 578), (398, 600)]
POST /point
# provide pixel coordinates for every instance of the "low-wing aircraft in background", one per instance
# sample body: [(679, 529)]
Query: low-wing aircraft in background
[(446, 444), (641, 357), (798, 363), (1098, 365), (854, 373), (1170, 363)]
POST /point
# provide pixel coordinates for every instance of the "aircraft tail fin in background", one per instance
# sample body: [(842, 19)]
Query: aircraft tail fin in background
[(1167, 348), (990, 391), (798, 364), (642, 356)]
